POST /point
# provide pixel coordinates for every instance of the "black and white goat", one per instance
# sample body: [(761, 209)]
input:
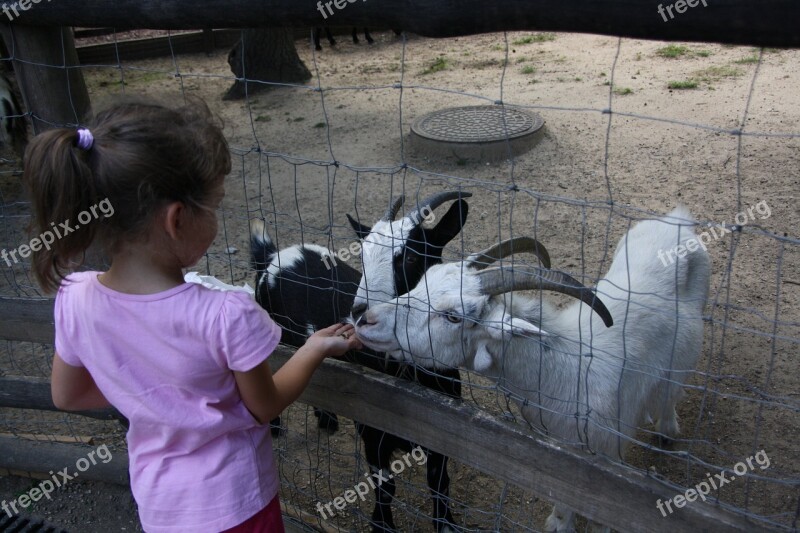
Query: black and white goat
[(304, 289), (576, 375)]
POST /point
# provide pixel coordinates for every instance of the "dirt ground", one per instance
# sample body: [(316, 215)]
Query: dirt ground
[(666, 141)]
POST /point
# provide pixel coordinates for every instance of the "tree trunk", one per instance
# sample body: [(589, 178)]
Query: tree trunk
[(264, 55)]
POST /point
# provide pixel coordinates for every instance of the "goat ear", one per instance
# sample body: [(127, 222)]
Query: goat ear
[(508, 326), (483, 359), (519, 326), (361, 230), (449, 225)]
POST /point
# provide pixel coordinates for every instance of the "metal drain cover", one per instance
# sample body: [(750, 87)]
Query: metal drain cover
[(476, 132)]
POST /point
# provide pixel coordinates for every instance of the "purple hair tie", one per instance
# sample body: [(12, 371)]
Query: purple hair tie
[(85, 139)]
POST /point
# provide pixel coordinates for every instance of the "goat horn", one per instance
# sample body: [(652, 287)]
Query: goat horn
[(505, 279), (394, 208), (507, 247), (432, 202)]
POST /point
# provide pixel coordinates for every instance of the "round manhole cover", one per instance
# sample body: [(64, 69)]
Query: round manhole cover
[(476, 132)]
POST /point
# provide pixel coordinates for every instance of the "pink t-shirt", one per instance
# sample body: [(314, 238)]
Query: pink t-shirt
[(199, 461)]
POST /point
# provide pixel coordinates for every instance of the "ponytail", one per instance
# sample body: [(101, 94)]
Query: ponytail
[(58, 174)]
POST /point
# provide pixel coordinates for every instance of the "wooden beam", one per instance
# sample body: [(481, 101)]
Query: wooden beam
[(54, 93), (32, 456), (24, 392), (595, 487), (753, 22), (133, 49), (28, 320)]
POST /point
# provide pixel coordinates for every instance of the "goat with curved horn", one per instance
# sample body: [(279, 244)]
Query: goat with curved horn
[(505, 279), (394, 208), (558, 362), (434, 201), (517, 245)]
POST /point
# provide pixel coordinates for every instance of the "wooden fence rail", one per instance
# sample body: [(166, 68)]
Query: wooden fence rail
[(595, 487), (754, 22)]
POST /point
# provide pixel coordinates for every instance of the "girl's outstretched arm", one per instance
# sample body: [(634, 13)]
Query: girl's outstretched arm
[(266, 395), (73, 388)]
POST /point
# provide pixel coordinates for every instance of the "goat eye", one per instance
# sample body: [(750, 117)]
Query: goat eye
[(452, 318), (411, 259)]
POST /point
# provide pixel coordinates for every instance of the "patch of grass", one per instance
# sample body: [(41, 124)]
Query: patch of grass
[(320, 125), (578, 78), (262, 118), (703, 53), (528, 69), (682, 85), (437, 65), (523, 59), (749, 60), (535, 38), (498, 47), (717, 73), (622, 91), (298, 119), (672, 51)]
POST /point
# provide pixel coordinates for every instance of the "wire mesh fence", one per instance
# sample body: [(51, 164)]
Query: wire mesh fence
[(633, 128)]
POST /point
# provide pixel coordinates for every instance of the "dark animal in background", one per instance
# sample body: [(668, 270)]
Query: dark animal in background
[(13, 128), (304, 289), (332, 41)]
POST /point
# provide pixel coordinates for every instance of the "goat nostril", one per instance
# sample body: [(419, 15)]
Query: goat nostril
[(358, 310), (362, 321)]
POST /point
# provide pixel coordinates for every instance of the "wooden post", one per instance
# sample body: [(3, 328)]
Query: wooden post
[(54, 94)]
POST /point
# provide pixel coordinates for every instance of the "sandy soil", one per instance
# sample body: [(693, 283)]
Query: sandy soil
[(576, 191)]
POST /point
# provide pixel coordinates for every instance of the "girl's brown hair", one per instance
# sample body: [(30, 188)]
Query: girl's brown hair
[(144, 155)]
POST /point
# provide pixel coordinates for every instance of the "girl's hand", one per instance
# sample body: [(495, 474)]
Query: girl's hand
[(335, 340)]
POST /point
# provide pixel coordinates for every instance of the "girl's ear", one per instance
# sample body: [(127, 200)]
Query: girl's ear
[(174, 219)]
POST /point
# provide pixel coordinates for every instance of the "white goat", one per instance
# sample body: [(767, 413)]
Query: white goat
[(576, 379)]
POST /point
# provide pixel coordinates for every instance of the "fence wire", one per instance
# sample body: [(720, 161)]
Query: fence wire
[(306, 154)]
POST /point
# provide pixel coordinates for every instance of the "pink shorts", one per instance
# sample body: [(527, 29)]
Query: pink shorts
[(267, 520)]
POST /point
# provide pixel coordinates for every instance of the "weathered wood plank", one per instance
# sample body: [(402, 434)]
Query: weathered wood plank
[(596, 488), (761, 22), (34, 393), (30, 320), (31, 456), (187, 43)]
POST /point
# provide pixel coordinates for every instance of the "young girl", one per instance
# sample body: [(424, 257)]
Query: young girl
[(186, 365)]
